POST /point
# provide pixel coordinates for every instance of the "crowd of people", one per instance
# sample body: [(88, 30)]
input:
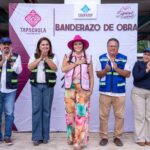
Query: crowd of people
[(112, 69)]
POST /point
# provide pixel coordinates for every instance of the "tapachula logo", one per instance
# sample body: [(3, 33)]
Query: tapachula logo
[(85, 9), (33, 18)]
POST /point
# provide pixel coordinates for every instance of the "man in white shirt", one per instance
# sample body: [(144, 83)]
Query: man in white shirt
[(112, 69), (10, 67)]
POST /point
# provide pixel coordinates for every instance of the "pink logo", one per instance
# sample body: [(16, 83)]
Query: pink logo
[(33, 18), (125, 13)]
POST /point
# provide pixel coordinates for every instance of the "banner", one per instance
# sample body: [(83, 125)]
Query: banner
[(29, 22)]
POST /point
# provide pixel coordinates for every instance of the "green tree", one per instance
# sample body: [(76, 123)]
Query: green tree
[(142, 45)]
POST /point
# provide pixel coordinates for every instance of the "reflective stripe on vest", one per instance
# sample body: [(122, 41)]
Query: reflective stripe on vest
[(102, 83), (9, 70), (121, 84), (123, 60), (50, 71), (51, 81), (104, 59), (32, 80), (114, 73), (14, 81), (109, 73), (14, 58), (34, 70)]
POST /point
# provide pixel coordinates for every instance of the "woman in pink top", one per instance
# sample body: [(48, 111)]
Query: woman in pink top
[(79, 80)]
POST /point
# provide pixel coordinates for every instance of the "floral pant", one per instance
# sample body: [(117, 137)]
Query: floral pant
[(77, 107)]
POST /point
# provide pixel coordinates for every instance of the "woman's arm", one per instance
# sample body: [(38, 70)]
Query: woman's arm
[(34, 64), (91, 77), (51, 64), (67, 66)]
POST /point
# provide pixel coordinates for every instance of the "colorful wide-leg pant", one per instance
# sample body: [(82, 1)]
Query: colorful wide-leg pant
[(77, 105)]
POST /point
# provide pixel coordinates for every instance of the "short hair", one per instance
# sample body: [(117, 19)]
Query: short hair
[(113, 39)]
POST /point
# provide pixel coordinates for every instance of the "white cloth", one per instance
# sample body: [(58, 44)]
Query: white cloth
[(99, 68), (17, 67), (40, 68)]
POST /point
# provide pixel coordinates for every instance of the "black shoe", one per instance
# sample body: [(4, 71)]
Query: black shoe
[(118, 142), (36, 143), (103, 142), (141, 143), (8, 141), (45, 141), (1, 141)]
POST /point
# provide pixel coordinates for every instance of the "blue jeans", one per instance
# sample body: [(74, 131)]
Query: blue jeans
[(7, 100), (42, 97)]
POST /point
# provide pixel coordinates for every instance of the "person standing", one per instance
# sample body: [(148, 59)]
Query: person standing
[(0, 46), (43, 67), (79, 80), (141, 99), (112, 70), (10, 67)]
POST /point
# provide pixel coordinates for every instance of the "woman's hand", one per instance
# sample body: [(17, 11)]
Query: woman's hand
[(79, 62), (89, 93), (44, 54), (148, 67)]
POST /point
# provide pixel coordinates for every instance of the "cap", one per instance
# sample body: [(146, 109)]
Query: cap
[(147, 49), (6, 40)]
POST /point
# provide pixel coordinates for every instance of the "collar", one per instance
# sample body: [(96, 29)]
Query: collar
[(78, 56)]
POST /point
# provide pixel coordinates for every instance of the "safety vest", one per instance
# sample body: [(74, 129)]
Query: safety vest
[(11, 76), (112, 81), (84, 74), (50, 76)]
